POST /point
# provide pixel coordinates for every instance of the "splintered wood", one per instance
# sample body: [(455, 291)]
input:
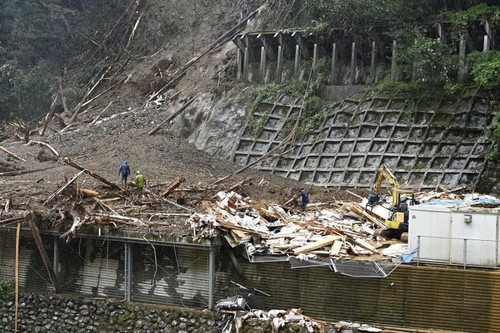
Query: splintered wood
[(325, 230), (340, 229)]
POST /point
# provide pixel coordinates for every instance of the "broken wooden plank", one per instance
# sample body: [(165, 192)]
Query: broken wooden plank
[(364, 244), (324, 241), (12, 154), (336, 246), (172, 186)]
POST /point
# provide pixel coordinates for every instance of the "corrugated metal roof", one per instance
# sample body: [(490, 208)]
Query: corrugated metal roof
[(462, 203)]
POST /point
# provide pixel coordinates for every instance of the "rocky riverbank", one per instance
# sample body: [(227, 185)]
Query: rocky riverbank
[(53, 313)]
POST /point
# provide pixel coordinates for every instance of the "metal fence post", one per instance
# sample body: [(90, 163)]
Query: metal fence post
[(211, 274), (128, 271), (465, 253), (55, 264), (418, 250)]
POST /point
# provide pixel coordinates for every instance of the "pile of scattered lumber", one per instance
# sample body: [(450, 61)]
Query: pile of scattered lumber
[(337, 229)]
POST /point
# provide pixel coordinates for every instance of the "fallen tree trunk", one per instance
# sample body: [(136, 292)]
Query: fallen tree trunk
[(49, 116), (22, 172), (41, 249), (62, 188), (11, 220), (172, 116), (120, 219), (68, 161), (228, 35)]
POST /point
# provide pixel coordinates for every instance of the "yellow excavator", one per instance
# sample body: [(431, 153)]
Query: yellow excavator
[(399, 217)]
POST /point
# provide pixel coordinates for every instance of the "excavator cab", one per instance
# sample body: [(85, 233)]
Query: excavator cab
[(398, 221)]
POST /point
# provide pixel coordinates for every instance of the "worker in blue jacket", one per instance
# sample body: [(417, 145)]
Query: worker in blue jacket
[(304, 199), (124, 172)]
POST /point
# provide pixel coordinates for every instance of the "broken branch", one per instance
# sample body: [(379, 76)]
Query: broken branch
[(12, 154)]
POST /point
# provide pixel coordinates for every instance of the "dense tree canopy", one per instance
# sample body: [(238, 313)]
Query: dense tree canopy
[(39, 41)]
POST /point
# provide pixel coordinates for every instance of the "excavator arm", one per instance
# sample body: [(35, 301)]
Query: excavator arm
[(385, 174), (398, 219)]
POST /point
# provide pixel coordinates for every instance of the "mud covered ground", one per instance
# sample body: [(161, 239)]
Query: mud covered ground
[(124, 120), (101, 147)]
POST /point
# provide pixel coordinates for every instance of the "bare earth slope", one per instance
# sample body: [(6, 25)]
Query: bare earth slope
[(102, 147), (122, 130)]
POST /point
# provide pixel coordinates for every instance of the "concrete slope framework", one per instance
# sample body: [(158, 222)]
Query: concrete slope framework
[(425, 144)]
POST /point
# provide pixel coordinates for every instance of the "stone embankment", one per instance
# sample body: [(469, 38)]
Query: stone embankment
[(50, 313)]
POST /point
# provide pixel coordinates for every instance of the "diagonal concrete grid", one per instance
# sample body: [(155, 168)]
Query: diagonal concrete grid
[(425, 144)]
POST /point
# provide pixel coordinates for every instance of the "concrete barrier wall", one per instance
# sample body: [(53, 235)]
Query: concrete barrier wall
[(426, 144)]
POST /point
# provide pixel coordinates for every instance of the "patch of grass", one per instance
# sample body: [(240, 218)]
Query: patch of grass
[(6, 290)]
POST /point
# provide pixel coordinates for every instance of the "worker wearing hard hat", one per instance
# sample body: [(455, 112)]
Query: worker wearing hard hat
[(140, 180)]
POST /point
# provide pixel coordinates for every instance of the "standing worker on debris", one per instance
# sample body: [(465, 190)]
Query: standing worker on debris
[(124, 172), (140, 181), (304, 199)]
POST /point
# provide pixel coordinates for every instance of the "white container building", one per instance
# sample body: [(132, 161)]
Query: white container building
[(456, 232)]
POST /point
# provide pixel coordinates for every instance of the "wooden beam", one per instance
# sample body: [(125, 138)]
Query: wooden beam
[(172, 186), (324, 241), (41, 249)]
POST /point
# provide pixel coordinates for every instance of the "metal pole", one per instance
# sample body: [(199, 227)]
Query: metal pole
[(211, 275), (373, 65), (315, 58), (55, 264), (262, 64), (279, 64), (486, 43), (296, 65), (239, 61), (334, 63), (418, 250), (245, 64), (461, 60), (465, 253), (128, 271), (353, 62), (393, 63)]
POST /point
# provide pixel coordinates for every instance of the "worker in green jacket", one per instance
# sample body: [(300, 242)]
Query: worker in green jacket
[(140, 180)]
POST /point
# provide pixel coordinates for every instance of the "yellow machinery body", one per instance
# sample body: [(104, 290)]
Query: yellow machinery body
[(385, 174)]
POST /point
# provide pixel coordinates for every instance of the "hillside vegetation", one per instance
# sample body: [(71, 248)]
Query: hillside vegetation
[(59, 55), (41, 41)]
